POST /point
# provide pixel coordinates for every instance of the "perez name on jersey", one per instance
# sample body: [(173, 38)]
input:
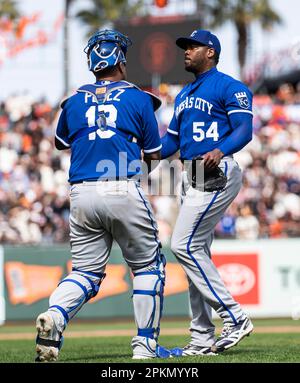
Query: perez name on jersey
[(110, 97)]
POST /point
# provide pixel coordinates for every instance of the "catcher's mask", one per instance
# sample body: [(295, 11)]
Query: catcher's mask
[(106, 49)]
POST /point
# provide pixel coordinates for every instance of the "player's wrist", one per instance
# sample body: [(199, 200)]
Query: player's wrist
[(220, 152)]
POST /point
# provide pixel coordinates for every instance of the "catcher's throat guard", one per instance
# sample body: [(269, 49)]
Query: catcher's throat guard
[(203, 179)]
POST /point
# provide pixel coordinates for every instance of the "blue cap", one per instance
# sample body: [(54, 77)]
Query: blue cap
[(200, 36)]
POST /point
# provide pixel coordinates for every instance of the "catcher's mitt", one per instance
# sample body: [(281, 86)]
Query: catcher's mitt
[(208, 180)]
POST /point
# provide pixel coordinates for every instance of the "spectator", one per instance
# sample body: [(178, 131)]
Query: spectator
[(34, 205), (247, 225)]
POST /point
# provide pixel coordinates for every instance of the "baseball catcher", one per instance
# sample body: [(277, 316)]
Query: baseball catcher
[(107, 125)]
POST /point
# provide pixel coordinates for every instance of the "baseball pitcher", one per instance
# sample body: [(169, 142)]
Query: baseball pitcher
[(106, 125), (212, 120)]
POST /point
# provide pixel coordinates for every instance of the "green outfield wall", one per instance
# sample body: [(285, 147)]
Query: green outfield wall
[(32, 273), (262, 275)]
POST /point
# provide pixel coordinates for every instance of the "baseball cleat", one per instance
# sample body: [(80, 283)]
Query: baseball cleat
[(147, 348), (48, 340), (191, 350), (232, 334), (143, 347)]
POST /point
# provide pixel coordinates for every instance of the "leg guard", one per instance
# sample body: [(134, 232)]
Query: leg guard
[(66, 300), (148, 288), (71, 294)]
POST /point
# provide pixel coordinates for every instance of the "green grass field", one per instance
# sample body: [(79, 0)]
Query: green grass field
[(274, 341)]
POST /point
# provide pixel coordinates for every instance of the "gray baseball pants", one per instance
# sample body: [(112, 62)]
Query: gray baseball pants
[(100, 213), (191, 241)]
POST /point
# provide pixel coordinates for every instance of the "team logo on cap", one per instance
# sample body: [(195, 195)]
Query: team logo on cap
[(242, 99), (193, 34)]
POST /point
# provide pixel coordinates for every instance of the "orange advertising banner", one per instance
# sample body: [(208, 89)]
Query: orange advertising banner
[(176, 281), (30, 283), (113, 283)]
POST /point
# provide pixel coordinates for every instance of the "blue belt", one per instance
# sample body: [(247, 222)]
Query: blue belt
[(103, 180)]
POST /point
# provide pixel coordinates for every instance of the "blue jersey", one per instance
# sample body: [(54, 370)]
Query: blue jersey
[(105, 153), (202, 110)]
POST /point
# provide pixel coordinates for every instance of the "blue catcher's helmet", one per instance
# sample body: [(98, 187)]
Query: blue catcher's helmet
[(106, 49)]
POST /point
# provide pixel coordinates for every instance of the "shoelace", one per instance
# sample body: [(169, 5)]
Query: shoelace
[(226, 330), (187, 346)]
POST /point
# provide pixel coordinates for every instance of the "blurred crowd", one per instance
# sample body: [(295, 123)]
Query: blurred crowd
[(34, 193), (275, 64), (268, 205), (34, 204)]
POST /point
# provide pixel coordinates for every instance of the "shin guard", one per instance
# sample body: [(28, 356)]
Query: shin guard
[(71, 294), (148, 289)]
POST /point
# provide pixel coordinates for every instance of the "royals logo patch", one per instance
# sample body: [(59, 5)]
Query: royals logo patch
[(242, 99)]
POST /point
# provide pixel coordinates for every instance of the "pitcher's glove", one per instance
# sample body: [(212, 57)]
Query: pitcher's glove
[(203, 179)]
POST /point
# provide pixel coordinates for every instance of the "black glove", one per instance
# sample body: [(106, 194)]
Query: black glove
[(203, 179)]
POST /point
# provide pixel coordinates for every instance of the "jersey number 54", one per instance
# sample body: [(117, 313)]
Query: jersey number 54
[(200, 134)]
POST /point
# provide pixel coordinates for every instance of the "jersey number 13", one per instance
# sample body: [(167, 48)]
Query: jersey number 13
[(111, 118)]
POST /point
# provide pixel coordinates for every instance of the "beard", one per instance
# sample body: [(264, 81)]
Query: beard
[(194, 67), (191, 68)]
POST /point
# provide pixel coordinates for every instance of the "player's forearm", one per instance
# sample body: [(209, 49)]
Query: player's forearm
[(241, 134), (170, 145)]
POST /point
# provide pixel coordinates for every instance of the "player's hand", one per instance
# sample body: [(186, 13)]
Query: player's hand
[(212, 159)]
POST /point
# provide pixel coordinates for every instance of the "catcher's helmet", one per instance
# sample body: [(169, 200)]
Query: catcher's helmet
[(106, 49)]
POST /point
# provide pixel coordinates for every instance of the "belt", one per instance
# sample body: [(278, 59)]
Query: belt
[(102, 180), (191, 159)]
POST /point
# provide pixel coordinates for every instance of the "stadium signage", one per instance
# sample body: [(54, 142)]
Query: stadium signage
[(264, 281)]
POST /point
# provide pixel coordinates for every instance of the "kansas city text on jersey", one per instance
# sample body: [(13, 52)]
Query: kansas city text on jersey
[(194, 102)]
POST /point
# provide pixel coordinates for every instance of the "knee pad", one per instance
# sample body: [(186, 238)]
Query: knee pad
[(73, 292), (148, 290)]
